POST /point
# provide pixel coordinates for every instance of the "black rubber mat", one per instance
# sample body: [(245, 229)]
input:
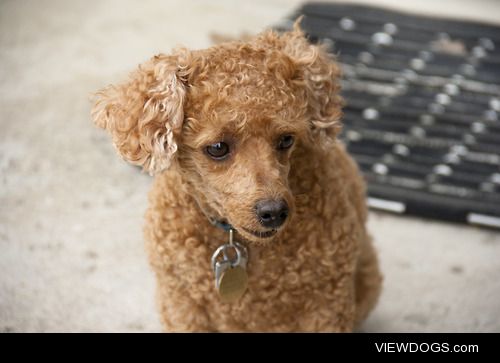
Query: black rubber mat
[(423, 108)]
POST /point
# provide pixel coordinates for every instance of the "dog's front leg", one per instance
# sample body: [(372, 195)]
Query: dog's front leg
[(331, 311)]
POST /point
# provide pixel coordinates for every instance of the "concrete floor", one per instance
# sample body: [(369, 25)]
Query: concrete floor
[(71, 250)]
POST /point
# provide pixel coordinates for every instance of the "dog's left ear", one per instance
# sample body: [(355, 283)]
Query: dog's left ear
[(321, 76), (145, 114)]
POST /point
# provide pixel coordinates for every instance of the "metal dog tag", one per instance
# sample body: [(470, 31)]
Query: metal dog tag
[(229, 263), (233, 284)]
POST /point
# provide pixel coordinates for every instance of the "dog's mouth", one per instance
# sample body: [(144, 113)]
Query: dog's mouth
[(261, 235)]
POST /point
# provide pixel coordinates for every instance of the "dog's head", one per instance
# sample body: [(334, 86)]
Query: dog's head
[(229, 118)]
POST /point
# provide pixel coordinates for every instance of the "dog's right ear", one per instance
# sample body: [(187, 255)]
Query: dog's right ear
[(144, 115)]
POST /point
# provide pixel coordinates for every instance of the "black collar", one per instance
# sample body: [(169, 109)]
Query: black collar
[(221, 224)]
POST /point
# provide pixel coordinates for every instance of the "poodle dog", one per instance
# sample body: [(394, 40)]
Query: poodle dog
[(243, 134)]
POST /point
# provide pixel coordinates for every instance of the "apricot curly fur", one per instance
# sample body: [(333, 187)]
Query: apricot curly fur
[(319, 272)]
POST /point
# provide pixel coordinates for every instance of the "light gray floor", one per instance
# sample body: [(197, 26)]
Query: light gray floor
[(71, 251)]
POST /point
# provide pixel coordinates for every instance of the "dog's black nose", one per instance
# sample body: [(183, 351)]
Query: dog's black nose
[(271, 213)]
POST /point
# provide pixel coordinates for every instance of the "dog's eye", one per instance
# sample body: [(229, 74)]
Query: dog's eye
[(218, 151), (285, 142)]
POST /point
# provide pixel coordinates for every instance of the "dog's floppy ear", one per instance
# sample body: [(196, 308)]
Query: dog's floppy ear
[(144, 115), (321, 76)]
